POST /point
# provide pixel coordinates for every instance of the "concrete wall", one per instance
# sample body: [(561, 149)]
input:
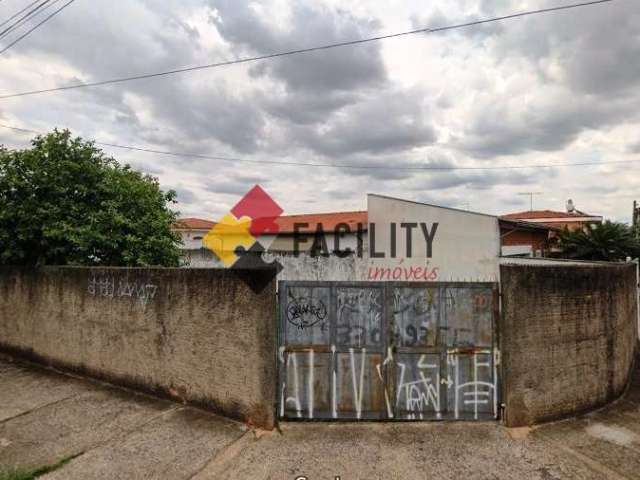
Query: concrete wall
[(201, 336), (567, 336), (301, 267)]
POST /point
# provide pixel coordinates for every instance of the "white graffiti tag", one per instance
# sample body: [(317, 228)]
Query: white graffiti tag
[(111, 287)]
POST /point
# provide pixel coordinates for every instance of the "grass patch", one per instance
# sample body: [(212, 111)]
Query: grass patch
[(31, 473), (16, 473)]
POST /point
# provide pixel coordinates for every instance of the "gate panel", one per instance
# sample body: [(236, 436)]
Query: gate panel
[(359, 389), (415, 316), (307, 315), (418, 386), (358, 348), (387, 350), (472, 393), (306, 390), (359, 317), (468, 316)]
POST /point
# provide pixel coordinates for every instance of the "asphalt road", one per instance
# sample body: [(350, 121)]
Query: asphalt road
[(105, 432)]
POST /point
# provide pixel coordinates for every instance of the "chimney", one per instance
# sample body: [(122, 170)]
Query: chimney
[(571, 208)]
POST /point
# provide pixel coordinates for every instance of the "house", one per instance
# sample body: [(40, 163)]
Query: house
[(525, 239), (571, 219), (349, 230), (192, 231)]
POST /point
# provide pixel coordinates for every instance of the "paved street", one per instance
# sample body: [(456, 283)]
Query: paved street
[(107, 433)]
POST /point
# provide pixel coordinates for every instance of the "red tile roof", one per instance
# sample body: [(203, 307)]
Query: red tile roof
[(511, 224), (539, 214), (194, 224), (286, 222), (328, 221)]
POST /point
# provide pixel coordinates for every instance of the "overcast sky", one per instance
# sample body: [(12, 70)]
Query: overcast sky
[(554, 88)]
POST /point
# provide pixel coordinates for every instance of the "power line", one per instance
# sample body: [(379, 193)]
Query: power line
[(18, 13), (339, 165), (23, 19), (45, 20), (303, 50)]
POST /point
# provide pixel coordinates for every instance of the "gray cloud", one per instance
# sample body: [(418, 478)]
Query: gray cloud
[(522, 89), (595, 73), (237, 186), (480, 180), (309, 25), (507, 127), (146, 167), (337, 102), (634, 147), (393, 120), (597, 47), (183, 195), (302, 108), (437, 19), (110, 48)]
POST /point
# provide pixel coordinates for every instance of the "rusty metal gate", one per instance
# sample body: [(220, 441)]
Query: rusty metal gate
[(403, 351)]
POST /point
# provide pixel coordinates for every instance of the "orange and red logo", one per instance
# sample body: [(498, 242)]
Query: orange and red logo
[(235, 238)]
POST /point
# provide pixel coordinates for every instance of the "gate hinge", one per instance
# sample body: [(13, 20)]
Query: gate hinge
[(496, 357)]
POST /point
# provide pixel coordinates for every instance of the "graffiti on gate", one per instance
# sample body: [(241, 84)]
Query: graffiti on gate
[(415, 314), (359, 316), (357, 388), (394, 352), (304, 312)]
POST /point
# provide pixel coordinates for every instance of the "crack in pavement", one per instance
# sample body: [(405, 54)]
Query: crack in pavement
[(39, 407), (221, 461), (592, 464)]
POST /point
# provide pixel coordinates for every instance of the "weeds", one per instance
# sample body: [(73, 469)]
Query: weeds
[(31, 473)]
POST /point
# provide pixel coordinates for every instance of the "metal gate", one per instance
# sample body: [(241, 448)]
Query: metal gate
[(405, 351)]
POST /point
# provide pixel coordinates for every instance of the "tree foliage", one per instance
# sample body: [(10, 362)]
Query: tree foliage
[(608, 241), (64, 202)]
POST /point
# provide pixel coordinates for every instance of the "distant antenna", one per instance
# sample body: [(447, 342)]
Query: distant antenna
[(530, 195)]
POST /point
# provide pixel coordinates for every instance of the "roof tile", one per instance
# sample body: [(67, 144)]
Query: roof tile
[(191, 223), (537, 214), (328, 221), (287, 222)]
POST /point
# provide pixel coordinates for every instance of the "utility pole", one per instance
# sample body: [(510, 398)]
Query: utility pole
[(635, 218), (530, 195)]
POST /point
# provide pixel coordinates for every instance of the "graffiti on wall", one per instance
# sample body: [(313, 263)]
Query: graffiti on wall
[(433, 359), (113, 286)]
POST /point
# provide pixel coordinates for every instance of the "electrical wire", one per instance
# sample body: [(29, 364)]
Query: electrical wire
[(302, 50), (18, 13), (432, 168), (22, 20), (28, 32)]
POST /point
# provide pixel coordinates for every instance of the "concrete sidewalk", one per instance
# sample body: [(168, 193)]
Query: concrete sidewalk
[(102, 432)]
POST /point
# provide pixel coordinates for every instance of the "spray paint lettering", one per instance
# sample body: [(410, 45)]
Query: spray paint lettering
[(110, 286)]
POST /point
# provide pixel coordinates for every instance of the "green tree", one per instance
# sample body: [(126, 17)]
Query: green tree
[(64, 202), (608, 241)]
